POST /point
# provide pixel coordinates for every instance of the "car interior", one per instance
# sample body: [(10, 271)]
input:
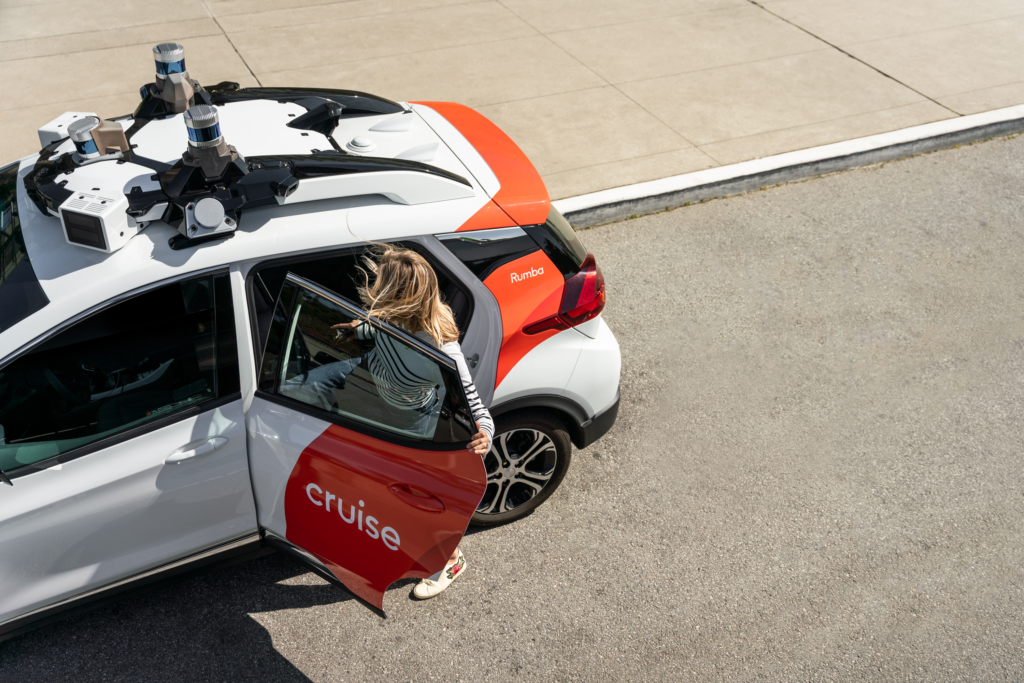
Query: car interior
[(342, 273), (332, 370), (138, 361)]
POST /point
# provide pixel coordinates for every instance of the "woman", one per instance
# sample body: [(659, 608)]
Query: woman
[(404, 292)]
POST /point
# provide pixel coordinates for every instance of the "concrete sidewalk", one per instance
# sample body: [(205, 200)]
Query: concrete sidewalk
[(599, 93)]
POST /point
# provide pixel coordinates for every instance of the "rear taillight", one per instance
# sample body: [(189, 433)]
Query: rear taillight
[(582, 300)]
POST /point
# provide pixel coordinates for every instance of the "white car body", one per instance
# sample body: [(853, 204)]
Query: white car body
[(77, 526)]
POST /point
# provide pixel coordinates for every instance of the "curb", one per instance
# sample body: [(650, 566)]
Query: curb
[(606, 206)]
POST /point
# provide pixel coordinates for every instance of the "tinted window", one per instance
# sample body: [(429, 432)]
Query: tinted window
[(134, 363), (363, 373), (560, 229), (560, 242), (485, 250), (20, 293)]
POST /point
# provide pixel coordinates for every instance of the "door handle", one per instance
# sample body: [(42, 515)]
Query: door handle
[(188, 453), (418, 498), (473, 360)]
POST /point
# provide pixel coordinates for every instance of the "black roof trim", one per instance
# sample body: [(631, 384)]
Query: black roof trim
[(329, 163), (355, 103)]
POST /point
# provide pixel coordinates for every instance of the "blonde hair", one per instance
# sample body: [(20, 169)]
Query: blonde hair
[(404, 292)]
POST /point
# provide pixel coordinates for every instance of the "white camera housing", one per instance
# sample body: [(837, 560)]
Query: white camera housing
[(96, 221), (58, 128), (95, 215)]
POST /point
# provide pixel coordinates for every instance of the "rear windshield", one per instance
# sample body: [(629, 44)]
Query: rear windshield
[(560, 229), (20, 293), (560, 242)]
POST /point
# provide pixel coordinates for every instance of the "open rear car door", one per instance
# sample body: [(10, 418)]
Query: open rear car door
[(357, 445)]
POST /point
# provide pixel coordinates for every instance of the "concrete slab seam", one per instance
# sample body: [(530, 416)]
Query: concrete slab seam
[(616, 204)]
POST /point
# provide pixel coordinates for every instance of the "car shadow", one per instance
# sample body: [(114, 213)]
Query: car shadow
[(206, 627), (473, 530)]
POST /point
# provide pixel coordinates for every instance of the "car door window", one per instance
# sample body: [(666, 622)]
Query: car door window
[(343, 273), (371, 374), (132, 365)]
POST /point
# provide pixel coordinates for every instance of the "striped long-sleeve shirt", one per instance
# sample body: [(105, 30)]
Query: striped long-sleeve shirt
[(404, 376)]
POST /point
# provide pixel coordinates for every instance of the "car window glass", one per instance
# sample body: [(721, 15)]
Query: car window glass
[(483, 251), (20, 293), (228, 381), (562, 231), (362, 372), (560, 242), (134, 363)]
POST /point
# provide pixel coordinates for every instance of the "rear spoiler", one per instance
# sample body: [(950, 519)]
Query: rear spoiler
[(518, 195)]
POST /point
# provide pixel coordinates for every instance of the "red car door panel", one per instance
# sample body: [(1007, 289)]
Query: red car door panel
[(340, 507), (374, 490)]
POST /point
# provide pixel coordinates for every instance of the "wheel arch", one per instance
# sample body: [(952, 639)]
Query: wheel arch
[(567, 411)]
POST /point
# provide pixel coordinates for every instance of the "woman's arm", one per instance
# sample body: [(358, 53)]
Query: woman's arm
[(481, 415), (361, 329)]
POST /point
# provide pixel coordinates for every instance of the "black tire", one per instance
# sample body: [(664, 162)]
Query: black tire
[(545, 465)]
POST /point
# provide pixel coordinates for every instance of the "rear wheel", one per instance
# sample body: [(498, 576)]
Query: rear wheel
[(527, 461)]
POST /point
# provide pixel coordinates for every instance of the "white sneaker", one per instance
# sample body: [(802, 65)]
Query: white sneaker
[(428, 588)]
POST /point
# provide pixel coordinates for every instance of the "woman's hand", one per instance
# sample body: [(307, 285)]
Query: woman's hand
[(345, 329), (479, 444)]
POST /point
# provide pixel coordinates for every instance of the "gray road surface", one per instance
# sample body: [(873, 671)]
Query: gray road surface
[(816, 475)]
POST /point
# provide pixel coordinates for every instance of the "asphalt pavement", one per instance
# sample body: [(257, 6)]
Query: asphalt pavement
[(816, 474)]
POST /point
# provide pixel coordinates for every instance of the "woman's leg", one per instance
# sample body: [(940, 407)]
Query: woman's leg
[(332, 375), (315, 387)]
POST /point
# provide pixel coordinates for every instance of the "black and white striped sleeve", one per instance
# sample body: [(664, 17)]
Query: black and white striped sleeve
[(365, 331), (476, 406)]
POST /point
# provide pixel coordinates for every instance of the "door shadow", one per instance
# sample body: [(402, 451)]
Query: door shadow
[(201, 628), (483, 529)]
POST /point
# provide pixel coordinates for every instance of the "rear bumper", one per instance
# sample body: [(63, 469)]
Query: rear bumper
[(594, 384), (598, 426)]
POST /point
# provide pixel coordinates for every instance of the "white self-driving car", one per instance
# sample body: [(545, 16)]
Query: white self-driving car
[(169, 278)]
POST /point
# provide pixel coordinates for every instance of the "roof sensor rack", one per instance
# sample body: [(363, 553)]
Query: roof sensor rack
[(199, 184), (105, 193)]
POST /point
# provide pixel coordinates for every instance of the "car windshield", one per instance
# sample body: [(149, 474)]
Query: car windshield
[(20, 293)]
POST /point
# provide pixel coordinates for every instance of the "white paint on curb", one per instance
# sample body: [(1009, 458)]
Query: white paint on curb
[(685, 181)]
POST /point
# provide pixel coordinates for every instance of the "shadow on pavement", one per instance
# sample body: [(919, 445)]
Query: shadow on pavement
[(199, 629), (473, 530)]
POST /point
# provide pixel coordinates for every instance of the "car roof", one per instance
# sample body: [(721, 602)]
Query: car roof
[(75, 279), (501, 189)]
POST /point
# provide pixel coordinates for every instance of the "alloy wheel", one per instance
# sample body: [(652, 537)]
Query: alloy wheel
[(519, 466)]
